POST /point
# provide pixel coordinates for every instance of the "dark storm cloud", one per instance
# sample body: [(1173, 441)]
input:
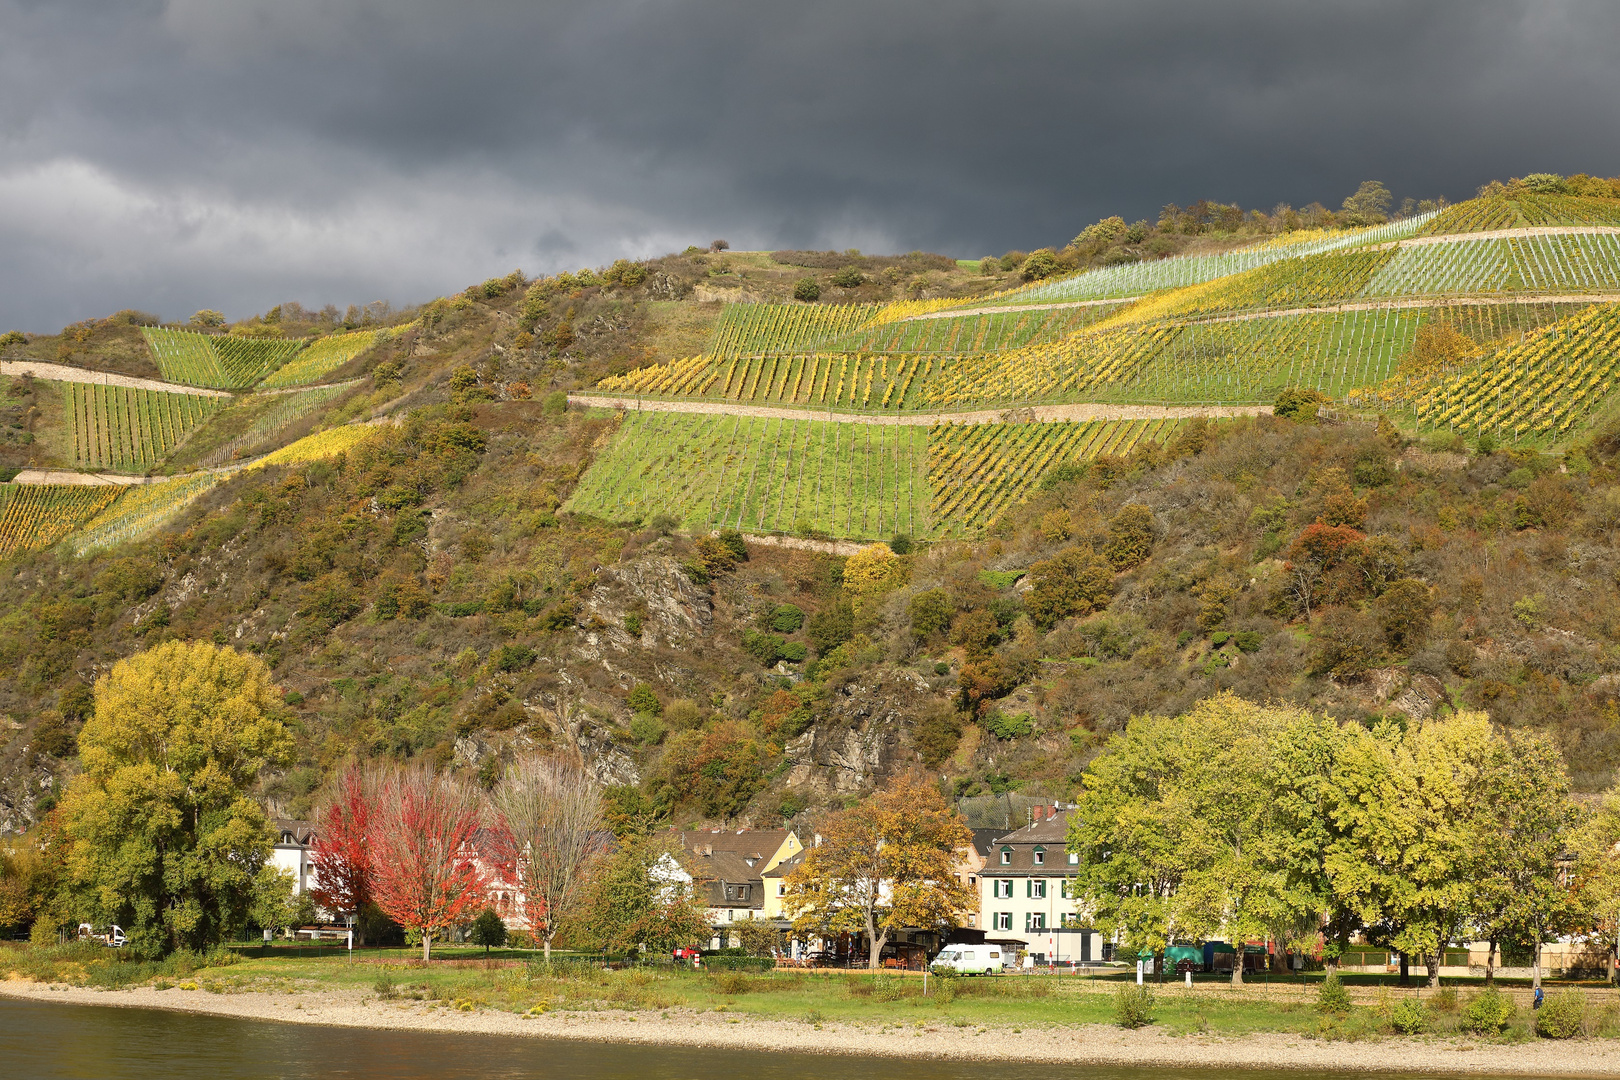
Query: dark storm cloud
[(235, 153)]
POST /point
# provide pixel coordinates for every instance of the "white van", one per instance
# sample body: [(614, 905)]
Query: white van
[(969, 959)]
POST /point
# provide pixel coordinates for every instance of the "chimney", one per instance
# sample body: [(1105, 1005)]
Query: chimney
[(706, 850), (1038, 812)]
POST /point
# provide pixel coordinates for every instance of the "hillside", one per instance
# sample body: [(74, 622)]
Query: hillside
[(489, 522)]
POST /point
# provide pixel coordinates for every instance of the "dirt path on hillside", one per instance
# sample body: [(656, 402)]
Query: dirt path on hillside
[(82, 479), (953, 314), (1417, 302), (1079, 411), (1503, 234), (62, 373)]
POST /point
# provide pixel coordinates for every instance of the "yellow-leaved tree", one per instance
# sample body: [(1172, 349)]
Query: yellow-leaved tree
[(165, 838), (872, 571), (883, 865)]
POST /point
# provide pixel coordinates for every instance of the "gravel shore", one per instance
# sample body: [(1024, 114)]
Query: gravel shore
[(1072, 1045)]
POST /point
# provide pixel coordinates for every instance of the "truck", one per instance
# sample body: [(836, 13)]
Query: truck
[(969, 959), (111, 936)]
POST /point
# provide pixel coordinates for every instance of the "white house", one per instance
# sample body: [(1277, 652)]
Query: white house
[(1025, 893), (291, 851)]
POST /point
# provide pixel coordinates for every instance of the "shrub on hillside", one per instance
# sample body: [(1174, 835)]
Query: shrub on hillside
[(1075, 581), (806, 289), (850, 277), (1299, 404), (1040, 264)]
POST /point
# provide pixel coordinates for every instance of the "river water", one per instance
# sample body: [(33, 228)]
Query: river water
[(43, 1041)]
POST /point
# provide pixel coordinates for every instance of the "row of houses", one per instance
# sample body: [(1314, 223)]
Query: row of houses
[(1020, 877)]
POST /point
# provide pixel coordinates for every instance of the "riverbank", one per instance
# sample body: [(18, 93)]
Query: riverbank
[(1082, 1044)]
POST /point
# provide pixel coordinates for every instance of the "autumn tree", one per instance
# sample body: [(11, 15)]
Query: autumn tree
[(1525, 824), (872, 571), (1409, 806), (1130, 536), (643, 897), (1075, 581), (1369, 205), (549, 838), (341, 854), (165, 837), (888, 863), (1597, 876), (1180, 832), (425, 877)]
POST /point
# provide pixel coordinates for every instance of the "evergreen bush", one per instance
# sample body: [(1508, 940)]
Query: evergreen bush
[(1333, 997)]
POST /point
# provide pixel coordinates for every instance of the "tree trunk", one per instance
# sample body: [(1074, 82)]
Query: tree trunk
[(1237, 967), (875, 941), (1535, 965), (545, 945), (1433, 961), (1614, 961), (1406, 971), (1490, 964), (427, 946)]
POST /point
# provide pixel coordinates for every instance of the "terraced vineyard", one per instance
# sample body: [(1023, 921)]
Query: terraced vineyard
[(35, 516), (842, 479), (1534, 385), (115, 427), (217, 361), (859, 480), (1141, 278), (319, 446), (757, 329), (1577, 262), (140, 510), (322, 358), (989, 332), (1500, 212), (283, 411), (976, 471)]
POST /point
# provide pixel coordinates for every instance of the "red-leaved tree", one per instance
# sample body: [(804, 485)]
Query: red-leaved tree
[(342, 853), (423, 870)]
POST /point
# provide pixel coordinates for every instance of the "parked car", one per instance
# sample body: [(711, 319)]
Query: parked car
[(970, 959)]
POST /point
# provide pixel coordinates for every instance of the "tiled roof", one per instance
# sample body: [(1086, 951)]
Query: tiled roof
[(748, 843)]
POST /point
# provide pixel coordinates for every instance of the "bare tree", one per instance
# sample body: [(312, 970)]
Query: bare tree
[(548, 837)]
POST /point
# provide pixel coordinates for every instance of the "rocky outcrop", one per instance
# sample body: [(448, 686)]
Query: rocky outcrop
[(858, 738)]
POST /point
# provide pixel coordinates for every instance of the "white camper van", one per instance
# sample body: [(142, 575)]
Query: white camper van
[(970, 959)]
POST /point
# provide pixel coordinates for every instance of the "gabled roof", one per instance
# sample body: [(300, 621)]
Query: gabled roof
[(984, 840), (1053, 829), (291, 831), (786, 866), (757, 844)]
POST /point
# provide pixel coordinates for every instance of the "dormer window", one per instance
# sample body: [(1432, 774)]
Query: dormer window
[(1006, 856), (1039, 855)]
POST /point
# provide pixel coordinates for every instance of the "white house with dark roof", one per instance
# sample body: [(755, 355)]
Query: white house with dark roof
[(1025, 892)]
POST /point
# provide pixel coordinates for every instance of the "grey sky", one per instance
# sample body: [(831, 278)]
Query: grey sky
[(238, 153)]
